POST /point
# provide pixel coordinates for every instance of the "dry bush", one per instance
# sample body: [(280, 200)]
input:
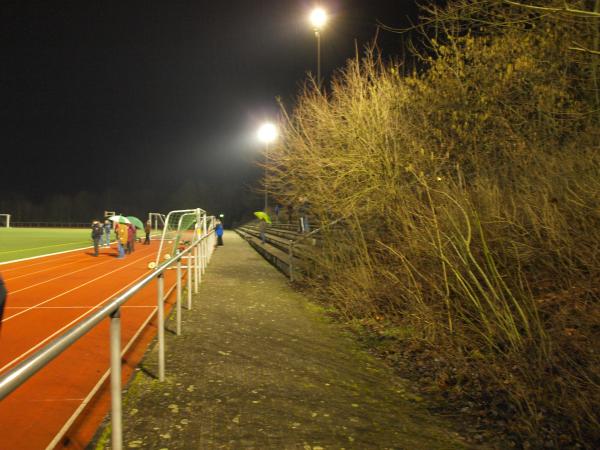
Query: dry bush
[(471, 198)]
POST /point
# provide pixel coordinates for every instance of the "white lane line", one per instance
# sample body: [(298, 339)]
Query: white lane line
[(99, 384), (43, 256), (58, 277), (76, 287), (12, 269), (73, 307), (40, 271), (98, 305)]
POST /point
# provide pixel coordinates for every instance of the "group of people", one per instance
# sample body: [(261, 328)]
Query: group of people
[(125, 233)]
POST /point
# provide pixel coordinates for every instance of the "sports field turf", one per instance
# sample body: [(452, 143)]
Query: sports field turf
[(17, 243)]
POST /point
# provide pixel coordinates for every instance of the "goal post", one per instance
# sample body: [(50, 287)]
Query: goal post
[(180, 229), (157, 220), (5, 220)]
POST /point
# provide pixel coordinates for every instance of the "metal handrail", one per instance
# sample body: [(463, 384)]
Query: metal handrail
[(199, 251)]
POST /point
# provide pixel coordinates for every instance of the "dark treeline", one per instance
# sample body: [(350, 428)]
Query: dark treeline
[(235, 202)]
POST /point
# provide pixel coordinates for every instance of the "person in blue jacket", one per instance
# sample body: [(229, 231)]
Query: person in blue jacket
[(219, 231), (107, 227)]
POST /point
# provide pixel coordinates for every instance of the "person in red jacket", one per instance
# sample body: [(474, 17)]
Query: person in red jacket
[(130, 238)]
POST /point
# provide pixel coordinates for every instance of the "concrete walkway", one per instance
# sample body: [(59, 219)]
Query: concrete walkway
[(259, 367)]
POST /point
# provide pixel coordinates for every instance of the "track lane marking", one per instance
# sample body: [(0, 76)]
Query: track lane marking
[(72, 307), (57, 278), (4, 270), (92, 308), (40, 271), (75, 288)]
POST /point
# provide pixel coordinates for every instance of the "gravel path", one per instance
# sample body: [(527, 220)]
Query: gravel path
[(260, 367)]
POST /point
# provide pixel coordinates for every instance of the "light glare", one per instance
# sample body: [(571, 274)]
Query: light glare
[(318, 17), (267, 133)]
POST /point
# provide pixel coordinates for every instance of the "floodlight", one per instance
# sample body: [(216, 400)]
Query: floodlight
[(318, 18), (267, 133)]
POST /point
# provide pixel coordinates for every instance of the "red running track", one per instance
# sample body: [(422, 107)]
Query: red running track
[(47, 296)]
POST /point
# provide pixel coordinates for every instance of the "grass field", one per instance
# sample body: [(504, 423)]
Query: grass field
[(17, 243)]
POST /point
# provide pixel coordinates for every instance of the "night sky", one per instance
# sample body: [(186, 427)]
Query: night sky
[(126, 94)]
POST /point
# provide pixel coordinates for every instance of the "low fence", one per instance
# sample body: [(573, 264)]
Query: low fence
[(14, 224), (197, 256)]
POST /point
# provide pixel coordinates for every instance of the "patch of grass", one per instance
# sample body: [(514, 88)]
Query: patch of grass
[(18, 243)]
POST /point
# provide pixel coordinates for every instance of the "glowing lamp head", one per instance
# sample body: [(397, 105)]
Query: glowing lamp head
[(318, 18), (267, 133)]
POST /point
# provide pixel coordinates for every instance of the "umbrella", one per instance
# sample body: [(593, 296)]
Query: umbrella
[(136, 222), (119, 219), (262, 216)]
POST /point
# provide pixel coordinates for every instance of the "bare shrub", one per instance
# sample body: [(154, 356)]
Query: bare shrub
[(471, 193)]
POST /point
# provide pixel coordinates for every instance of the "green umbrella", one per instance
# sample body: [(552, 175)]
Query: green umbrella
[(136, 222), (262, 216), (119, 219)]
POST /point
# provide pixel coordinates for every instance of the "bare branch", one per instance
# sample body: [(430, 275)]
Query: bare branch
[(565, 9)]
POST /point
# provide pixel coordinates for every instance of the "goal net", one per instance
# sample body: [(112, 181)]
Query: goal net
[(180, 229)]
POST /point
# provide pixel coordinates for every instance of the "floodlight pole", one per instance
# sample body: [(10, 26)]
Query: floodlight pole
[(318, 36), (266, 183)]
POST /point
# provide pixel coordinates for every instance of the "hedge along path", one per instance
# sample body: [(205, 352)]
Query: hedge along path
[(259, 366), (47, 296)]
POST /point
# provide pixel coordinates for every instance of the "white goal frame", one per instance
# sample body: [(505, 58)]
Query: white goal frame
[(7, 219), (156, 219)]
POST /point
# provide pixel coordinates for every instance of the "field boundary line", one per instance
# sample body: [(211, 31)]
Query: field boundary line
[(75, 288), (60, 253), (91, 308), (43, 256), (37, 248)]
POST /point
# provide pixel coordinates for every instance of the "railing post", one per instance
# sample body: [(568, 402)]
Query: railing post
[(161, 327), (115, 380), (189, 281), (205, 255), (291, 262), (200, 271), (179, 297), (196, 271)]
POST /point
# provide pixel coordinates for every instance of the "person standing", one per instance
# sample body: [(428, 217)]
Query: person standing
[(3, 294), (121, 239), (96, 235), (147, 230), (219, 232), (303, 212), (130, 238), (107, 227), (262, 228)]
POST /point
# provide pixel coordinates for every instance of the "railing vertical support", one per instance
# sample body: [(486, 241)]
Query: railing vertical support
[(200, 257), (204, 254), (161, 326), (115, 380), (195, 254), (179, 297), (189, 281), (291, 261)]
